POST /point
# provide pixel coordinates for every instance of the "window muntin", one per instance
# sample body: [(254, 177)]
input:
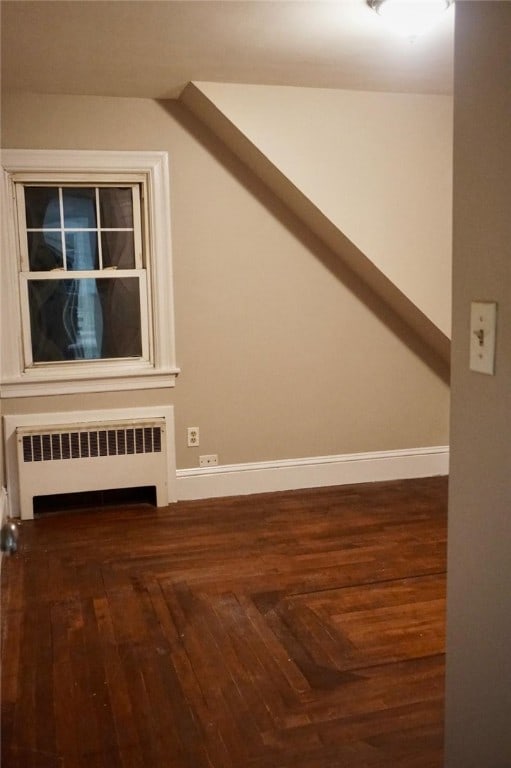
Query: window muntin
[(93, 233)]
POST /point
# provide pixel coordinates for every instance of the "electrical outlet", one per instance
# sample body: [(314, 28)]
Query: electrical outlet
[(208, 460), (193, 437)]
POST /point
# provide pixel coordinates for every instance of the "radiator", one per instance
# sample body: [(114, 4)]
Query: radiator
[(91, 456)]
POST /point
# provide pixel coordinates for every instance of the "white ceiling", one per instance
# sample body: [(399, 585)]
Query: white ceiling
[(152, 48)]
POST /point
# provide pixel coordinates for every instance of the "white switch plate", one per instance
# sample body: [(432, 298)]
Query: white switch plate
[(483, 321)]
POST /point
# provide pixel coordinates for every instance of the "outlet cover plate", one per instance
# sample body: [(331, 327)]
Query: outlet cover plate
[(208, 460), (192, 437)]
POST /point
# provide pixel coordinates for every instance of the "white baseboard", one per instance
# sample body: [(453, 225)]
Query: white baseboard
[(315, 472)]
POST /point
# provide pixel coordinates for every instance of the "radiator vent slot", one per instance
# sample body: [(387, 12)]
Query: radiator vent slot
[(91, 443)]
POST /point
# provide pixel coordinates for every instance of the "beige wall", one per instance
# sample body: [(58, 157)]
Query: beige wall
[(378, 165), (282, 354), (478, 733)]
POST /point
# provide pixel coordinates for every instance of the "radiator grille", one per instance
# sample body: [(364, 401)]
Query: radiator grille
[(91, 443)]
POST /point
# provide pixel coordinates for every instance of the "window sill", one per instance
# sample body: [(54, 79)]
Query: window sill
[(34, 384)]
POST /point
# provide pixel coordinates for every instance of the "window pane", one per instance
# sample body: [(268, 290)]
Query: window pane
[(79, 208), (84, 319), (120, 301), (118, 250), (65, 320), (116, 207), (44, 251), (81, 250), (42, 207)]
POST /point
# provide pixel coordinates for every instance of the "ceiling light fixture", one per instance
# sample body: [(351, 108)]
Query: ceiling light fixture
[(410, 18)]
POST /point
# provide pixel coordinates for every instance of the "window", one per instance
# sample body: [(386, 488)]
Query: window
[(83, 285), (88, 273)]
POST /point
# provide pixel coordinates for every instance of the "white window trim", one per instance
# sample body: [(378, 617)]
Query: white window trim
[(161, 371)]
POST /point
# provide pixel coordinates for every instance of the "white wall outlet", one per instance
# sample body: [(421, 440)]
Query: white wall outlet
[(193, 437), (208, 460), (483, 323)]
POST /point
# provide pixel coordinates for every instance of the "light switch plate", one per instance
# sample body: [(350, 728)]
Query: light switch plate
[(483, 322)]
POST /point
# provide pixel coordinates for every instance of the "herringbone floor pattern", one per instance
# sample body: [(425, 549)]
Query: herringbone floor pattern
[(289, 630)]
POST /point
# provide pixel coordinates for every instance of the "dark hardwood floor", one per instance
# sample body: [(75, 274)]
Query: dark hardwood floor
[(289, 630)]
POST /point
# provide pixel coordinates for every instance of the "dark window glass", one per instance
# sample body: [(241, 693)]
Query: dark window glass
[(118, 250), (45, 251), (42, 207), (79, 208), (81, 250), (116, 208), (84, 319)]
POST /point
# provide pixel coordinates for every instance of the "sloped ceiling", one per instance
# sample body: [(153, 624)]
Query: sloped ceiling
[(152, 48)]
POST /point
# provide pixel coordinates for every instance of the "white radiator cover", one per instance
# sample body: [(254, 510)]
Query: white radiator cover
[(89, 451)]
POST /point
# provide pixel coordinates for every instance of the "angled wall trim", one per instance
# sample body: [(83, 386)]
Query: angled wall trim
[(314, 472), (396, 302)]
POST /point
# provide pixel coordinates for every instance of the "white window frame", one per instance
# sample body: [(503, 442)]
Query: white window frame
[(17, 379)]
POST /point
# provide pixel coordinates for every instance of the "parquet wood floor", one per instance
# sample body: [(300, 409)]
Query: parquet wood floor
[(289, 630)]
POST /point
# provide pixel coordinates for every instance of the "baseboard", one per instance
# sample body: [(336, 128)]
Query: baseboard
[(315, 472)]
